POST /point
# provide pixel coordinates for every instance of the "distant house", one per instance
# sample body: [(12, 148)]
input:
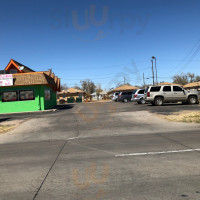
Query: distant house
[(123, 88), (102, 95), (23, 89), (71, 92), (167, 83), (195, 85)]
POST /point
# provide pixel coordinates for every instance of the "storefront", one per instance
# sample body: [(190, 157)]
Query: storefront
[(31, 91)]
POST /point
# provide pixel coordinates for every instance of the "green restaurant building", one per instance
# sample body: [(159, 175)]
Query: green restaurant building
[(23, 90)]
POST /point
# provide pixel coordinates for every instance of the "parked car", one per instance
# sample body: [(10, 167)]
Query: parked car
[(115, 96), (157, 95), (138, 96), (125, 96)]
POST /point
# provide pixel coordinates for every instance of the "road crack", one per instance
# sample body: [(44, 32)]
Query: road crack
[(49, 170)]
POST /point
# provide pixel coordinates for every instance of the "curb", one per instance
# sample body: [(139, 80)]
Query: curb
[(38, 111)]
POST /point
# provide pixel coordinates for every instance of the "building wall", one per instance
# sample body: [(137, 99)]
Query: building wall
[(65, 96), (28, 105), (51, 103)]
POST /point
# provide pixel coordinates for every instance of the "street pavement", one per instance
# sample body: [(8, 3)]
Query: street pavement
[(130, 162)]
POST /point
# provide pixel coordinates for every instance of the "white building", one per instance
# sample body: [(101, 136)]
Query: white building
[(101, 95)]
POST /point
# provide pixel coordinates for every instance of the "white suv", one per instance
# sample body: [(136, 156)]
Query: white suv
[(115, 96), (157, 95)]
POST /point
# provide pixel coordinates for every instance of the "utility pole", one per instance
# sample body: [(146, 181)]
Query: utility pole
[(144, 81), (152, 71), (124, 80), (153, 57)]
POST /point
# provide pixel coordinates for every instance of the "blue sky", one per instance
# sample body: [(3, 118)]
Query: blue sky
[(102, 40)]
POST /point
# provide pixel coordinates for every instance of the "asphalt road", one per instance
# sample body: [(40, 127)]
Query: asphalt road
[(129, 165), (108, 107)]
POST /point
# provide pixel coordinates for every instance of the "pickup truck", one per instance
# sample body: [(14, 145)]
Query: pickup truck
[(157, 95)]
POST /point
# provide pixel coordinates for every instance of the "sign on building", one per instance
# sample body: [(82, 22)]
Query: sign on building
[(6, 80)]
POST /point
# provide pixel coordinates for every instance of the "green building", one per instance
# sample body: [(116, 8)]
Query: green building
[(22, 89)]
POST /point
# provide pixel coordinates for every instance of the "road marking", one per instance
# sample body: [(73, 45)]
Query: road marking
[(157, 153), (73, 138)]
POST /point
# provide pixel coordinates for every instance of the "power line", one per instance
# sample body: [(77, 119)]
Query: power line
[(113, 76), (192, 56)]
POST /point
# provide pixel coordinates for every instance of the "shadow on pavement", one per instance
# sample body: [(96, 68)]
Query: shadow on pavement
[(168, 104), (64, 107), (4, 119)]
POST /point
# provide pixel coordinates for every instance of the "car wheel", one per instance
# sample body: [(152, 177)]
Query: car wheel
[(158, 101), (142, 101), (192, 100), (125, 100)]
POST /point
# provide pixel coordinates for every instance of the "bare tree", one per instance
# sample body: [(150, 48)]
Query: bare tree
[(77, 87), (180, 79), (64, 86), (98, 90), (88, 87), (191, 76), (197, 78)]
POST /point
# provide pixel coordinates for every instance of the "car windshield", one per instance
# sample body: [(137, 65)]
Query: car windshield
[(146, 90), (134, 91)]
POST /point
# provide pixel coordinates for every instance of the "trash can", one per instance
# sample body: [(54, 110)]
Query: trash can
[(70, 100), (78, 100)]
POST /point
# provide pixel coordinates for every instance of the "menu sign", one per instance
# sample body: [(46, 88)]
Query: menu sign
[(6, 79)]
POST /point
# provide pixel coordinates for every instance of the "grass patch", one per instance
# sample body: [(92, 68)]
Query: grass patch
[(191, 117), (6, 128)]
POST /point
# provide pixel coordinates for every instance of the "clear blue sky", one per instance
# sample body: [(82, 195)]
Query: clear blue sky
[(65, 35)]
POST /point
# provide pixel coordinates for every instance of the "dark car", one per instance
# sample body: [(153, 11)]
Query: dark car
[(125, 96)]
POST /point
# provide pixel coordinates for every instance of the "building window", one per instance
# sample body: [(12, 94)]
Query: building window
[(64, 95), (13, 71), (9, 96), (26, 95), (47, 94)]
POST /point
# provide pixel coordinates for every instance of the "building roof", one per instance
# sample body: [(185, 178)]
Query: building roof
[(72, 91), (26, 69), (27, 76), (36, 78), (18, 65), (124, 88), (189, 85), (167, 83)]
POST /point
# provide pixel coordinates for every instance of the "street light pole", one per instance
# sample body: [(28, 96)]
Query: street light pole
[(144, 81), (153, 57), (152, 71)]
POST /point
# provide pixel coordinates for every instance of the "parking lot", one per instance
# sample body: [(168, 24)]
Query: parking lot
[(96, 120), (101, 151)]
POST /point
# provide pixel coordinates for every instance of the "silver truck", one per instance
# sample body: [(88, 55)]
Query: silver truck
[(157, 95)]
